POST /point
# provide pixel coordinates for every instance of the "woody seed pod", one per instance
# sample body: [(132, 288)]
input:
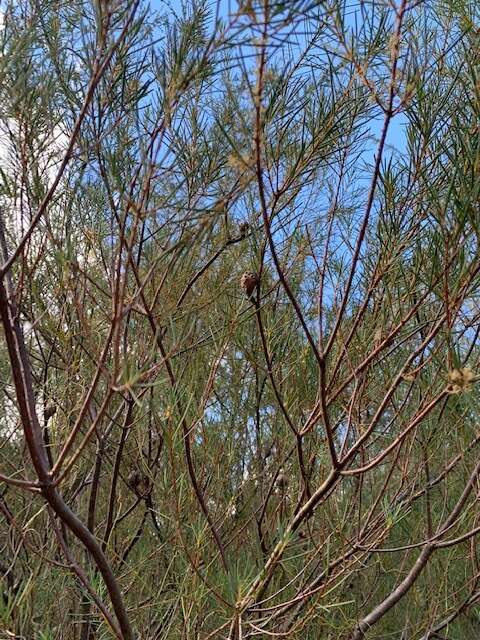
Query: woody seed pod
[(249, 282)]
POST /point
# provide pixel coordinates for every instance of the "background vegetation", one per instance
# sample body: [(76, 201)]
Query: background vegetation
[(239, 354)]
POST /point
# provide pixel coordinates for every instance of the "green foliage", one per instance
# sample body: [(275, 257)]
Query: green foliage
[(250, 464)]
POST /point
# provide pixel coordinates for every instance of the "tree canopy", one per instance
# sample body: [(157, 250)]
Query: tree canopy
[(239, 297)]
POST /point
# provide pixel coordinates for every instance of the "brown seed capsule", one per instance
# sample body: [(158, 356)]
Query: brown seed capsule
[(50, 410), (249, 282), (282, 481), (139, 483), (243, 228), (134, 478)]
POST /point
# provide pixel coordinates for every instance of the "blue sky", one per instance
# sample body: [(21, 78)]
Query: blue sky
[(396, 138)]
